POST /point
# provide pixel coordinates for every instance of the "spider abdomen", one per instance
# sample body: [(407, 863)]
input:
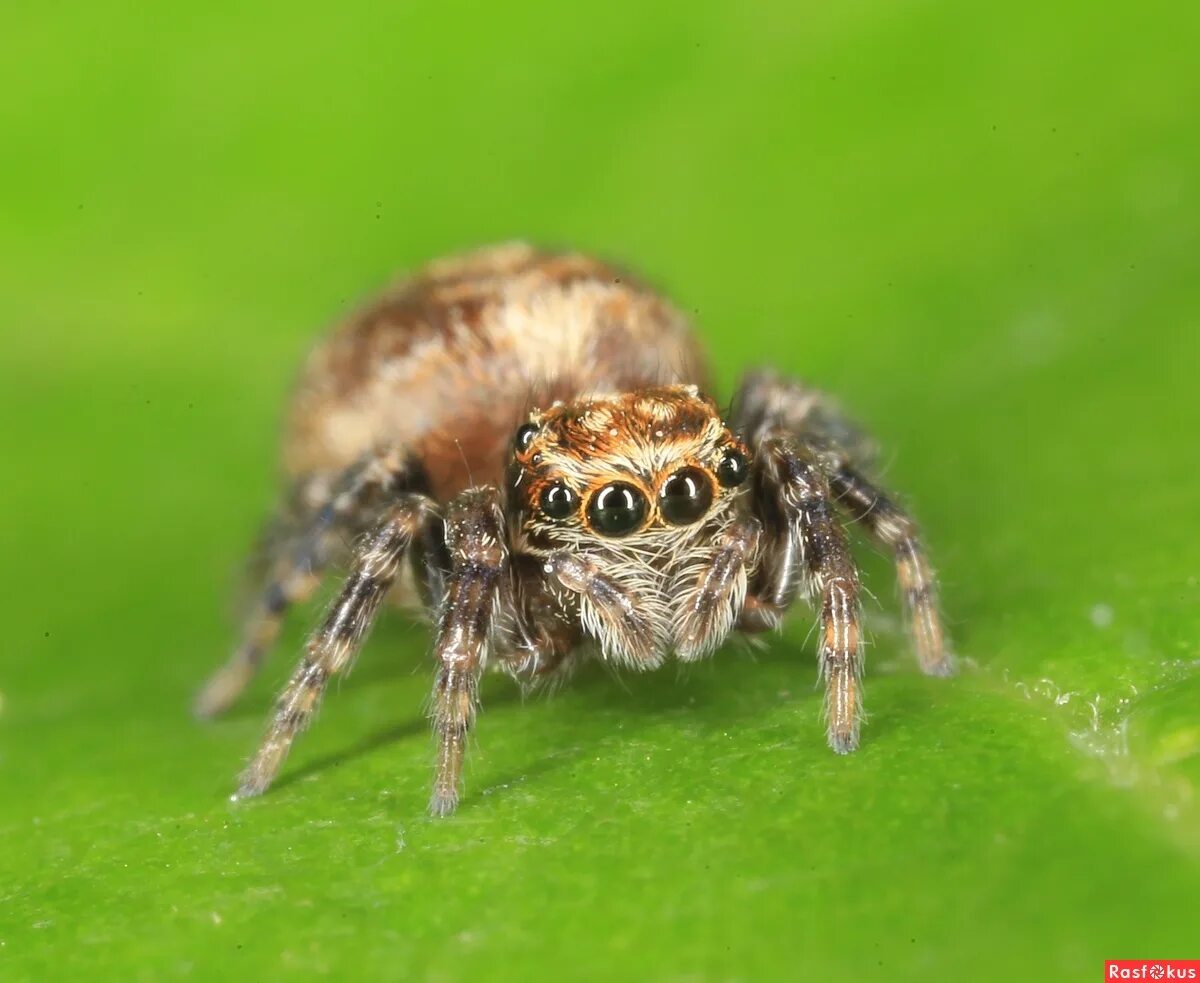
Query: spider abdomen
[(446, 364)]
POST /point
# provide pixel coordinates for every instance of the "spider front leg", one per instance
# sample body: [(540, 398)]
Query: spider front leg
[(299, 549), (625, 625), (478, 582), (712, 599), (894, 529), (332, 647), (767, 403), (805, 542)]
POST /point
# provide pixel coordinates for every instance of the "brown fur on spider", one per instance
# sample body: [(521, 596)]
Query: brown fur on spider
[(519, 441)]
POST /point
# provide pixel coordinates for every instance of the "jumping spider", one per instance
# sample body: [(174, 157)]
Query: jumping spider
[(526, 428)]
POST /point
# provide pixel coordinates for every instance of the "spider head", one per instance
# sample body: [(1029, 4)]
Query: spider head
[(642, 470)]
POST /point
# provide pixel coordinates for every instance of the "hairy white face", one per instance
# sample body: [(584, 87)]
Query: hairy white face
[(642, 476)]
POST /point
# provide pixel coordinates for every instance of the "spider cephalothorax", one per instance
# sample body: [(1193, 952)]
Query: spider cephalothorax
[(527, 429), (629, 467), (638, 484)]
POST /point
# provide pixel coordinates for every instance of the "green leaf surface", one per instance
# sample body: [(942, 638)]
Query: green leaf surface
[(977, 226)]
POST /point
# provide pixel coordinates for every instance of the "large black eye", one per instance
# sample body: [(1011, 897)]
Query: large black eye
[(617, 509), (685, 496), (733, 469), (524, 437), (558, 501)]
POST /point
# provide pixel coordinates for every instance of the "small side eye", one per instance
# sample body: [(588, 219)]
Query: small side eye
[(524, 437), (685, 496), (558, 501), (733, 469), (617, 509)]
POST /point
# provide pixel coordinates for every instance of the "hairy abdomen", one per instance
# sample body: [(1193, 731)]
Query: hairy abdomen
[(447, 363)]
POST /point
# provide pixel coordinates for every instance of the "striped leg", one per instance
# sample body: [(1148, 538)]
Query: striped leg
[(334, 644), (535, 644), (612, 614), (298, 551), (802, 528), (712, 598), (890, 526), (477, 582), (769, 403)]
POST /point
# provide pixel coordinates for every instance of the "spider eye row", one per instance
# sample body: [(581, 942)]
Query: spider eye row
[(620, 508)]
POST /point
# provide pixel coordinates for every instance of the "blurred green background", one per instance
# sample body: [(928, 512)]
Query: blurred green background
[(976, 224)]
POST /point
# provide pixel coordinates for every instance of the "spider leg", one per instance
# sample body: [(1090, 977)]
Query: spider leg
[(299, 550), (535, 642), (894, 529), (806, 544), (477, 584), (767, 402), (611, 612), (713, 596), (334, 644)]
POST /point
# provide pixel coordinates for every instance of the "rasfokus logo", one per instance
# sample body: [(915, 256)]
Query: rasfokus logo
[(1152, 969)]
